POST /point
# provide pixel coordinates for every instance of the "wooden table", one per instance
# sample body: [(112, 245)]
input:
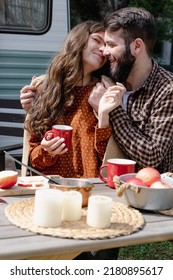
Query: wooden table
[(16, 243)]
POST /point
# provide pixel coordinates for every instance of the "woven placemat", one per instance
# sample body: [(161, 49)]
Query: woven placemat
[(124, 221)]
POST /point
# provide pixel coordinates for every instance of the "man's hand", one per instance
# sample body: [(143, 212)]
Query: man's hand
[(27, 95)]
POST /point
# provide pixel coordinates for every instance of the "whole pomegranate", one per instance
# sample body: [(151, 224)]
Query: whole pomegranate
[(136, 181), (148, 175), (160, 185)]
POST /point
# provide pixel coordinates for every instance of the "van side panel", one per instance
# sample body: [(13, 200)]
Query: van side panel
[(18, 67), (22, 55), (50, 41)]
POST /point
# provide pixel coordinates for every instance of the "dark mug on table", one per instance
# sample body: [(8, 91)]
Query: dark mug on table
[(63, 131), (116, 166)]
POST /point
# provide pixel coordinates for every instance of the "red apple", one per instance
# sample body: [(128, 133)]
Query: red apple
[(136, 181), (8, 179), (160, 185), (148, 175)]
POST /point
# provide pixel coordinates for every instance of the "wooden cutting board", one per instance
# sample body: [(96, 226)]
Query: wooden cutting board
[(26, 185)]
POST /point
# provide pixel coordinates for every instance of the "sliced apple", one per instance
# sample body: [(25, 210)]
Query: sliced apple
[(8, 178), (35, 181)]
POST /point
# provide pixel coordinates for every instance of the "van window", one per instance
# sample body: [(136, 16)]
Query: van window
[(23, 16)]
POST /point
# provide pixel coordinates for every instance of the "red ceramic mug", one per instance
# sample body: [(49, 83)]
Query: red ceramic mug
[(116, 166), (63, 131)]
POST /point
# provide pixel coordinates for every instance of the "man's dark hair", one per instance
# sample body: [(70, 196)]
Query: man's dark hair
[(134, 23)]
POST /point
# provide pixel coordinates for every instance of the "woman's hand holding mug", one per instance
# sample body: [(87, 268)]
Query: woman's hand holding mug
[(57, 141)]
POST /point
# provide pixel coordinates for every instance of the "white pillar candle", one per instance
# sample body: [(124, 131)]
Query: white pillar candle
[(99, 211), (72, 206), (48, 207)]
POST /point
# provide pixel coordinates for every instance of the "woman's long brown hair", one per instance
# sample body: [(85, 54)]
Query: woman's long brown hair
[(63, 74)]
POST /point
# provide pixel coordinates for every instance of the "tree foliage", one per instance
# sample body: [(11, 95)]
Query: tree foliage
[(162, 10), (82, 10), (163, 13)]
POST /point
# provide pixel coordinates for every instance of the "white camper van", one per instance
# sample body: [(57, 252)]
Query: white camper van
[(31, 31)]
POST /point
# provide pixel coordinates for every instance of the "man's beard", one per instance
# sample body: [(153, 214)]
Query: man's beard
[(124, 65)]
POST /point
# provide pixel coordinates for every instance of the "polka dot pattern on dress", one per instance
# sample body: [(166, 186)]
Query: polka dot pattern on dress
[(88, 142)]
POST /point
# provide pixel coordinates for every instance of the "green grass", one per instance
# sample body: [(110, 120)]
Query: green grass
[(153, 251)]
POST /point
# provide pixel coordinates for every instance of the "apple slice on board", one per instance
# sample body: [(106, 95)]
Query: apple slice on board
[(31, 181)]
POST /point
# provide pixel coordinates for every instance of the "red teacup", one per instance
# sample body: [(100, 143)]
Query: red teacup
[(63, 131), (116, 166)]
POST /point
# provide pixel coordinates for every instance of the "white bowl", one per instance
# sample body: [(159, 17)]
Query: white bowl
[(145, 197)]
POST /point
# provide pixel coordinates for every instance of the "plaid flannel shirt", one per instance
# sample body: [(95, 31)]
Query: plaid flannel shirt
[(145, 131)]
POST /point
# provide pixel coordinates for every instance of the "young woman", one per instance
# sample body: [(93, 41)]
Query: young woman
[(63, 99)]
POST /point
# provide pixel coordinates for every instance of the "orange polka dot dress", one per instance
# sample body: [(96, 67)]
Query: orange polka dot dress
[(89, 142)]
